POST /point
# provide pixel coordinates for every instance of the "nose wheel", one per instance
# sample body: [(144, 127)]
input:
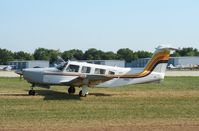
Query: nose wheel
[(71, 90), (83, 92)]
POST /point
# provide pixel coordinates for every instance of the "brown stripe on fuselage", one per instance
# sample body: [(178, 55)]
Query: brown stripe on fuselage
[(62, 74)]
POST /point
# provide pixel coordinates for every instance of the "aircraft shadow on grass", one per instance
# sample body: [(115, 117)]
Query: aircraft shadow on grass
[(15, 94), (48, 95), (57, 95), (99, 94)]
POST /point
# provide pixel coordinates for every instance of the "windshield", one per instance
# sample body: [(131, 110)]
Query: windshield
[(62, 66)]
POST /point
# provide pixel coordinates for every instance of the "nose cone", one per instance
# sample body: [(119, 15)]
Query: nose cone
[(33, 75)]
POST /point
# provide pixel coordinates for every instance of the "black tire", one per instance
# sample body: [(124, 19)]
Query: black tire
[(31, 92), (81, 95), (71, 90)]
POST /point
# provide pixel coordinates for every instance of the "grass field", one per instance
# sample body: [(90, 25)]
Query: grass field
[(171, 105)]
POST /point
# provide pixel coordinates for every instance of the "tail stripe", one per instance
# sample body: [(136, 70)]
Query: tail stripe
[(143, 74), (161, 57)]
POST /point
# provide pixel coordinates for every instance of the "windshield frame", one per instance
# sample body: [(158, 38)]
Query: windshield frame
[(62, 66)]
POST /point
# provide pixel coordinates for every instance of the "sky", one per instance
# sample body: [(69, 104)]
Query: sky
[(107, 25)]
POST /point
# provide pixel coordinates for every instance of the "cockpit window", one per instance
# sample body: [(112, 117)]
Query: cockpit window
[(72, 68), (62, 66)]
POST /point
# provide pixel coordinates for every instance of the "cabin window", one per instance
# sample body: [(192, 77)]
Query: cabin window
[(86, 69), (72, 68), (111, 73), (99, 71)]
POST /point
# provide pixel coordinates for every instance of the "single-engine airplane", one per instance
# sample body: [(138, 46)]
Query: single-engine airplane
[(84, 75)]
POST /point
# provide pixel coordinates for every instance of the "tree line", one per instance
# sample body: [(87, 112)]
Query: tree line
[(91, 54)]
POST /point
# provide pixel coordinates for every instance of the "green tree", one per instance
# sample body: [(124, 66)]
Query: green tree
[(53, 55), (22, 56), (73, 54), (143, 54), (93, 54), (126, 54), (175, 54), (41, 54), (189, 51), (46, 54), (5, 56), (109, 55)]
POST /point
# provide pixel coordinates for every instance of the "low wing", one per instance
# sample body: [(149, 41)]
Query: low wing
[(89, 80)]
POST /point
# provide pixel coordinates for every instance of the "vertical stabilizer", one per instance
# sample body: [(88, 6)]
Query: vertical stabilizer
[(159, 60)]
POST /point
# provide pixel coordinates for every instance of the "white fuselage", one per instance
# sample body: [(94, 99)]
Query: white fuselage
[(54, 76)]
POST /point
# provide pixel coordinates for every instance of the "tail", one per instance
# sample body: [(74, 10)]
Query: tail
[(153, 71), (156, 65), (159, 60)]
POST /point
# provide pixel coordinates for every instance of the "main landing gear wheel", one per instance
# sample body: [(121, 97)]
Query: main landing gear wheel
[(31, 92), (81, 94), (71, 90)]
